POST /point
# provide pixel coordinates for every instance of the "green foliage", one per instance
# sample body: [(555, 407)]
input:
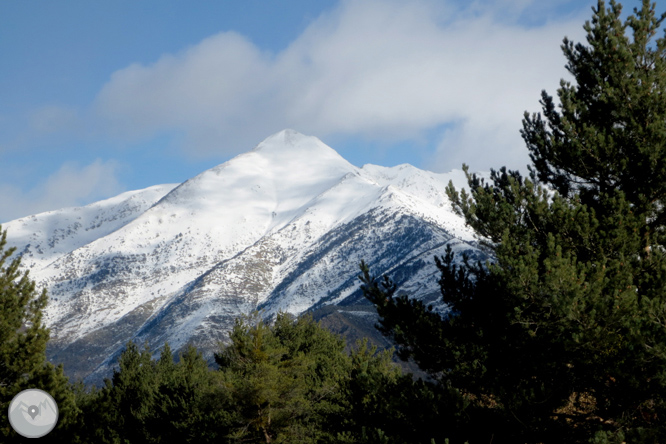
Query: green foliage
[(22, 335), (289, 381), (157, 401), (610, 132), (23, 339), (386, 405), (562, 337), (284, 380)]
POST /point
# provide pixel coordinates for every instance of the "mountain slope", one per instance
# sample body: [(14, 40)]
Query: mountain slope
[(281, 227)]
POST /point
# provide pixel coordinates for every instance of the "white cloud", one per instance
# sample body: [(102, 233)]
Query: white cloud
[(378, 69), (71, 185)]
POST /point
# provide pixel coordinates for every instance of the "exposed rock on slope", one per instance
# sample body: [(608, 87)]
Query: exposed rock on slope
[(281, 227)]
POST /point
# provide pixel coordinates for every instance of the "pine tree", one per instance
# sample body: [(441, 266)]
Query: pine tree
[(289, 381), (285, 380), (23, 339), (562, 337), (387, 405), (158, 401)]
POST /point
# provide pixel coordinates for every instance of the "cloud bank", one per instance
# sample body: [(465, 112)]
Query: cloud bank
[(382, 70)]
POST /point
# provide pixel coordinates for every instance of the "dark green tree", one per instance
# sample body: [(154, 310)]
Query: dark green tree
[(158, 401), (126, 405), (387, 405), (562, 336), (23, 339), (285, 380), (192, 404)]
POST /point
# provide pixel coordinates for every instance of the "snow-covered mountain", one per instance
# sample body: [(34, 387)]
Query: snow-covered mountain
[(281, 227)]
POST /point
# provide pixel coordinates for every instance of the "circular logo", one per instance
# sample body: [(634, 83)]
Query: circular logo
[(33, 413)]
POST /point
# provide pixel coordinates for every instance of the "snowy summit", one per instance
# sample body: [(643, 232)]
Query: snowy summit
[(280, 227)]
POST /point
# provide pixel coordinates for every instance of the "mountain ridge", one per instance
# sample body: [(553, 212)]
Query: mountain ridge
[(280, 227)]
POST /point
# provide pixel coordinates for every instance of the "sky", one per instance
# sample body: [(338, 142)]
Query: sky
[(98, 98)]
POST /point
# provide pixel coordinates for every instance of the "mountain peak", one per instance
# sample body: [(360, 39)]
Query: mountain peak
[(282, 227), (287, 137), (292, 144)]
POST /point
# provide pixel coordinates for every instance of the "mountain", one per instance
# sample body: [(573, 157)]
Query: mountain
[(282, 227)]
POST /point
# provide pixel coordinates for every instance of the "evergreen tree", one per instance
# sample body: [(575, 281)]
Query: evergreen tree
[(387, 405), (289, 381), (192, 404), (562, 338), (125, 406), (285, 380), (23, 339), (158, 401)]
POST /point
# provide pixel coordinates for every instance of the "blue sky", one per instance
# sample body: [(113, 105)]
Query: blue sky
[(98, 98)]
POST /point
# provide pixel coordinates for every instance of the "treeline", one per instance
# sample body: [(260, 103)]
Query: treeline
[(561, 338), (288, 382)]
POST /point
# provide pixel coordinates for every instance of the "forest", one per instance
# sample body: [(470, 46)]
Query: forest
[(561, 337)]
